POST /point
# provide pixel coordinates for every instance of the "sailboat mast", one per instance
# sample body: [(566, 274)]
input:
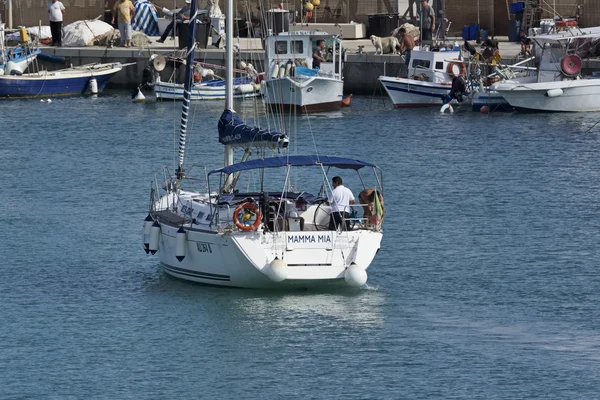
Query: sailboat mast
[(187, 86), (228, 156)]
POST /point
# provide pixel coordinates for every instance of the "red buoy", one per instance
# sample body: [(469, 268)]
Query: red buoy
[(484, 110), (347, 101)]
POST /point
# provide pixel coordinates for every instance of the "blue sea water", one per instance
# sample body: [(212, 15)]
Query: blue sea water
[(486, 285)]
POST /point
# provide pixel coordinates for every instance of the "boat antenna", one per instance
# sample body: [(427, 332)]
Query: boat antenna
[(228, 152), (187, 87)]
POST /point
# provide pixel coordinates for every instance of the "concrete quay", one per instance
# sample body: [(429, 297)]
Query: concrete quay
[(361, 70)]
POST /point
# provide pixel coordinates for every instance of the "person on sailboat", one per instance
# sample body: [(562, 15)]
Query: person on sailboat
[(318, 55), (341, 199), (373, 209), (182, 15)]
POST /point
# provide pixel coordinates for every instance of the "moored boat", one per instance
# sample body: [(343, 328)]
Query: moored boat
[(71, 81), (273, 237), (206, 86), (560, 84), (292, 84)]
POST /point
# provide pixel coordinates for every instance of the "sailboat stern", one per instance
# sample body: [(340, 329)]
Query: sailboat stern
[(310, 258)]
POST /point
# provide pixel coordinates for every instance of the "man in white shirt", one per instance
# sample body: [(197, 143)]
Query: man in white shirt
[(341, 199), (56, 11)]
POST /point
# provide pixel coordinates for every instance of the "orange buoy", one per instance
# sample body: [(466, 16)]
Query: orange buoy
[(347, 101)]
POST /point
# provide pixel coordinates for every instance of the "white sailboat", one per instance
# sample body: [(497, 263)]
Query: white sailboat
[(271, 238)]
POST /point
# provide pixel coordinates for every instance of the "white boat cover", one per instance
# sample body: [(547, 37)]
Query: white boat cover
[(84, 33), (34, 31)]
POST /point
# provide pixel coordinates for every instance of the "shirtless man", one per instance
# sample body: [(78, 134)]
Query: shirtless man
[(407, 43), (367, 200)]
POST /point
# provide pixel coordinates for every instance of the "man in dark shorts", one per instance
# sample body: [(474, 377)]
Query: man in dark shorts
[(317, 55)]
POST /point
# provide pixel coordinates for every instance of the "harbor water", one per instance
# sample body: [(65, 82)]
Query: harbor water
[(486, 285)]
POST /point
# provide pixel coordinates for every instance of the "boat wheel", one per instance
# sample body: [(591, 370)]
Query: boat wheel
[(320, 214)]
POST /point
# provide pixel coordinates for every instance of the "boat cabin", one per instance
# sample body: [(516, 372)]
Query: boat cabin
[(560, 56), (435, 66), (288, 49)]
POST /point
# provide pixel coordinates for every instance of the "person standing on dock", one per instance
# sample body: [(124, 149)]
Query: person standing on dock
[(427, 21), (126, 14), (56, 9)]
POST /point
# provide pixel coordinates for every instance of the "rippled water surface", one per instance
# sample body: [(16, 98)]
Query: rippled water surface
[(486, 285)]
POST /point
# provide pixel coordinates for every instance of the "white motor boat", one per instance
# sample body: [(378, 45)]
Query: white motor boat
[(430, 79), (275, 237), (291, 84), (559, 85)]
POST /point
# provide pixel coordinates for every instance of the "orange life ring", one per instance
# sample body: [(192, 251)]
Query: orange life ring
[(461, 67), (248, 208)]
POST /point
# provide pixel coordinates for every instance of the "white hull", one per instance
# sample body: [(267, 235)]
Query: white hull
[(241, 259), (413, 93), (217, 254), (174, 91), (577, 95), (311, 94)]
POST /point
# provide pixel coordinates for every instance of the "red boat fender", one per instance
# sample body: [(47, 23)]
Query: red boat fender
[(347, 101)]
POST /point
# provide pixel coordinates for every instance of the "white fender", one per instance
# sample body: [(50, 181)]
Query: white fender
[(263, 87), (355, 275), (282, 71), (93, 84), (154, 237), (146, 235), (554, 93), (245, 88), (277, 271), (447, 107), (288, 67), (180, 244), (275, 71)]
